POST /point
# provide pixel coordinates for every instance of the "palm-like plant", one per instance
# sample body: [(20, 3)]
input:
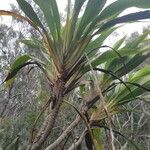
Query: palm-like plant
[(72, 49)]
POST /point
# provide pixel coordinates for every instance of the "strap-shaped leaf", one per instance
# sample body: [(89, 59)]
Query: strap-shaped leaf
[(139, 86), (74, 19), (109, 56), (18, 16), (98, 42), (21, 62), (129, 49), (29, 12), (50, 10), (115, 64), (139, 74), (137, 41), (133, 63), (116, 77), (127, 18), (120, 5), (56, 16), (120, 70), (139, 83), (32, 43), (136, 92), (17, 65), (93, 8), (119, 43)]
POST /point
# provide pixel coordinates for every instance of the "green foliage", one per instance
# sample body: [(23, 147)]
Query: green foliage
[(19, 63), (33, 43), (29, 12)]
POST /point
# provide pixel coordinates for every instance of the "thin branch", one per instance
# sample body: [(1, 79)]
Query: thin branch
[(54, 145), (78, 143), (38, 117)]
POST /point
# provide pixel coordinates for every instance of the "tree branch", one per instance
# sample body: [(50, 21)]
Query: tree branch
[(78, 143), (64, 134)]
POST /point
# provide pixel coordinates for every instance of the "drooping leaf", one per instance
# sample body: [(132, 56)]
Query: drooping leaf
[(18, 16), (115, 77), (136, 92), (139, 83), (109, 56), (115, 64), (129, 49), (121, 67), (17, 65), (19, 61), (133, 63)]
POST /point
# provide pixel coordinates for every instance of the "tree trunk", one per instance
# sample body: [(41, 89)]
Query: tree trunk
[(49, 122)]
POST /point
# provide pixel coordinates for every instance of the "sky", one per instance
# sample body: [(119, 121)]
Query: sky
[(125, 30)]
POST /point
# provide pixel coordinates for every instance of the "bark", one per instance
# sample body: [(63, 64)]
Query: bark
[(68, 130), (64, 134), (76, 145), (48, 124)]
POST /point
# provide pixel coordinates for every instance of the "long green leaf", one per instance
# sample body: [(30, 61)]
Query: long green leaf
[(116, 77), (20, 61), (109, 56), (93, 8), (32, 43), (127, 18), (136, 92), (139, 74), (120, 5), (139, 83), (50, 10), (137, 41), (98, 42), (29, 12), (133, 63), (73, 22), (121, 70), (129, 49), (119, 43), (115, 64), (17, 65)]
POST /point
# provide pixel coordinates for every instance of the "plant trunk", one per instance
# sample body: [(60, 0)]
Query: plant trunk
[(49, 122)]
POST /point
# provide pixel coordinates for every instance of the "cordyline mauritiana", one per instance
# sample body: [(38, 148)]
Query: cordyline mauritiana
[(71, 50)]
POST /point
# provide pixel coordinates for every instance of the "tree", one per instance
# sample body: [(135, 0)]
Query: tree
[(73, 62)]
